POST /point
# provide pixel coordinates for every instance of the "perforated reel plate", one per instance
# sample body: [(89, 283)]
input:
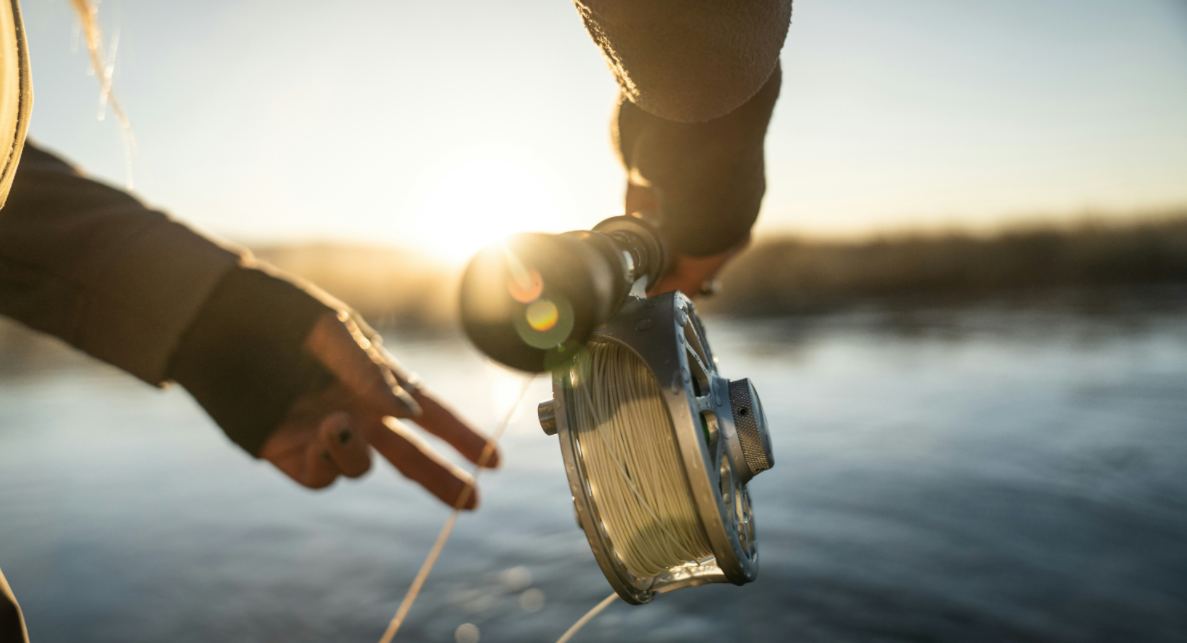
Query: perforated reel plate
[(667, 335)]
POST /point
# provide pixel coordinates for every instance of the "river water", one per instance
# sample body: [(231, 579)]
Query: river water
[(981, 475)]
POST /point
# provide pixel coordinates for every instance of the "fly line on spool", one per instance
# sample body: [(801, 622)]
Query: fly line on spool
[(632, 461), (659, 449)]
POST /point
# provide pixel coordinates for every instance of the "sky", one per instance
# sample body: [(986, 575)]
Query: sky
[(443, 125)]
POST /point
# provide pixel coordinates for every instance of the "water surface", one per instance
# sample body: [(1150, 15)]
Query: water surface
[(983, 475)]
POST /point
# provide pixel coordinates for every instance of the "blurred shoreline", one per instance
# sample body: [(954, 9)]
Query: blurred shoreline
[(1093, 265), (1081, 266), (1105, 268)]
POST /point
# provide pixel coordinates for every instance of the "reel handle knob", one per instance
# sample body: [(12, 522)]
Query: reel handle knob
[(546, 412), (751, 423)]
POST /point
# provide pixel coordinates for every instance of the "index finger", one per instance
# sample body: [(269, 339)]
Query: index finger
[(416, 460), (441, 421), (369, 373)]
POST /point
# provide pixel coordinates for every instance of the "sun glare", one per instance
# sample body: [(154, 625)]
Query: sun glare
[(480, 197)]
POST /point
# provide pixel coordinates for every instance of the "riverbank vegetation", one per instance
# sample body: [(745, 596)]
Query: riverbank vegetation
[(782, 275), (1087, 262)]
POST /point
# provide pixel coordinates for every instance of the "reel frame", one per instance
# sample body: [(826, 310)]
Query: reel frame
[(667, 335)]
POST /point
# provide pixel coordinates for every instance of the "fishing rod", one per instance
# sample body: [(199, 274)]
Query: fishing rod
[(659, 448)]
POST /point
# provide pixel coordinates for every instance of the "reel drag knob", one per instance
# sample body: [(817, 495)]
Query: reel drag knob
[(751, 424)]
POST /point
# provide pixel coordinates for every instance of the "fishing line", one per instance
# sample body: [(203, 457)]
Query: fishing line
[(103, 66), (430, 560), (589, 616), (632, 462)]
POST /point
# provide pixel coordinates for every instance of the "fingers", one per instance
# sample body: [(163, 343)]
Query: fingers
[(347, 449), (413, 458), (695, 275), (349, 355), (319, 470), (314, 456), (355, 358), (294, 449), (315, 444), (439, 420)]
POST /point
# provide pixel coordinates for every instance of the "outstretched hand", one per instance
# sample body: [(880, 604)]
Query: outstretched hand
[(332, 432)]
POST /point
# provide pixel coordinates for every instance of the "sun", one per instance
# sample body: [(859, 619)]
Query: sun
[(481, 196)]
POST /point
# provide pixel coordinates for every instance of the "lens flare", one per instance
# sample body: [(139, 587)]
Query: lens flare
[(545, 323), (542, 315), (525, 287)]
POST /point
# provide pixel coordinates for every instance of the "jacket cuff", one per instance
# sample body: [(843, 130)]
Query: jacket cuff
[(173, 292), (243, 357)]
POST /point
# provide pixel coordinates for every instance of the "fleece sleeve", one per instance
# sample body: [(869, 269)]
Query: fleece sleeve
[(94, 266), (698, 81), (689, 60)]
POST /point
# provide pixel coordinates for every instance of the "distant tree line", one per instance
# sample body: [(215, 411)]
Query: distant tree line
[(406, 292), (789, 275)]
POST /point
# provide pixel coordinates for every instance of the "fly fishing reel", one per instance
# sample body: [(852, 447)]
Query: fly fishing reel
[(659, 448)]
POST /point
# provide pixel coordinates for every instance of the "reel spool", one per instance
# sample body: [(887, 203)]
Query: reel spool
[(658, 447)]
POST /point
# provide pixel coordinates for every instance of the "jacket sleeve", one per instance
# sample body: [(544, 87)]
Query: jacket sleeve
[(699, 80), (688, 60), (97, 268), (705, 181)]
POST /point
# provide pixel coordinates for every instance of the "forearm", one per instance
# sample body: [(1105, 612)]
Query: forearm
[(706, 180), (699, 80), (134, 288), (95, 267)]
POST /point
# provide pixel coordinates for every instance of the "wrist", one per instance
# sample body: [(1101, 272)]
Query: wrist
[(242, 359)]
